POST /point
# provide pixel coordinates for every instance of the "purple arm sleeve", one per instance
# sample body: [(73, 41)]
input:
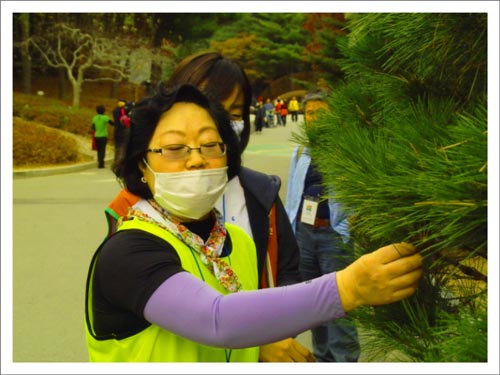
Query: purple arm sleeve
[(191, 308)]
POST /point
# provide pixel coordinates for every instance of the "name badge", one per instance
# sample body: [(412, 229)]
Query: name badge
[(309, 210)]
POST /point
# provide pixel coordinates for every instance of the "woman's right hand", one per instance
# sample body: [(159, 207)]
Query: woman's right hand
[(288, 350), (386, 275)]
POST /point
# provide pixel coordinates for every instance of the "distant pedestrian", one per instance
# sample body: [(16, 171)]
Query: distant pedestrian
[(100, 127), (269, 110), (120, 122), (283, 112), (260, 116), (293, 108), (277, 111)]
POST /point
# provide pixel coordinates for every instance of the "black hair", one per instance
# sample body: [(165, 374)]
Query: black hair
[(216, 76), (144, 119), (100, 109)]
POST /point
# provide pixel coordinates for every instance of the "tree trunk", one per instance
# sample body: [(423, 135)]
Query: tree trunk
[(77, 90), (61, 83), (25, 52), (114, 89), (155, 72)]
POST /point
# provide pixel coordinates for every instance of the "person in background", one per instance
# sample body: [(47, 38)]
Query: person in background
[(178, 284), (283, 112), (119, 121), (100, 126), (277, 111), (251, 199), (293, 108), (260, 116), (322, 232), (269, 109)]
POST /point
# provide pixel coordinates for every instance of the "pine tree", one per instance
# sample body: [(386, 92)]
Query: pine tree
[(405, 149)]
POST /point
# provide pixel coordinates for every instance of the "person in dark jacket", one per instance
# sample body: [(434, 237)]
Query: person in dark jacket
[(260, 116), (119, 113), (251, 200), (322, 230), (261, 193)]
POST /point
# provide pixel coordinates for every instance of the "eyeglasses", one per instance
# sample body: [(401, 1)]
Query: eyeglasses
[(177, 152)]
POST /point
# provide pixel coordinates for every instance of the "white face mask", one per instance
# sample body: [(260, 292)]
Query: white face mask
[(238, 126), (189, 194)]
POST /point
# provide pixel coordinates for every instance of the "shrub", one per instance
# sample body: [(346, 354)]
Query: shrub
[(55, 113), (37, 145)]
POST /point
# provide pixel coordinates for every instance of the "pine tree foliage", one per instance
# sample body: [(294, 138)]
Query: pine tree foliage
[(405, 150), (278, 43), (322, 51)]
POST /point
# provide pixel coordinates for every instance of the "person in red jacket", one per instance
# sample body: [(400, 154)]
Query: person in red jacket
[(277, 111), (283, 112)]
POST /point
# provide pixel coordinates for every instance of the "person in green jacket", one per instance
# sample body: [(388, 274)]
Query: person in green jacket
[(176, 283), (100, 126)]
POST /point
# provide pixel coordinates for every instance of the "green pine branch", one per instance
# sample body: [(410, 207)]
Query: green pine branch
[(404, 149)]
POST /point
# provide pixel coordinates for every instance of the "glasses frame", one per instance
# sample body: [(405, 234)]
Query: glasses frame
[(160, 150)]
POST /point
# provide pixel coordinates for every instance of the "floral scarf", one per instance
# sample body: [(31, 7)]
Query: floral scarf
[(209, 251)]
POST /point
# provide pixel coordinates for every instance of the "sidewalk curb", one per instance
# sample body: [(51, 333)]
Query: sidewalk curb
[(39, 172)]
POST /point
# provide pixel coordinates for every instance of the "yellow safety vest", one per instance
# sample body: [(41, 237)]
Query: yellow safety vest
[(154, 344)]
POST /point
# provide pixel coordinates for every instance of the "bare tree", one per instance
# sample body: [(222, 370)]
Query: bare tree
[(83, 56), (24, 21)]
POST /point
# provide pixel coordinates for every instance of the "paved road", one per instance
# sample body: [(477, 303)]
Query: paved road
[(270, 152), (58, 222)]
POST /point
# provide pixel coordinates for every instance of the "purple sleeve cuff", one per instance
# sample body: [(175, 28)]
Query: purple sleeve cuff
[(187, 306)]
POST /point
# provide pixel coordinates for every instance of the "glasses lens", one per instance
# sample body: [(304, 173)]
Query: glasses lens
[(213, 150), (208, 150), (175, 151)]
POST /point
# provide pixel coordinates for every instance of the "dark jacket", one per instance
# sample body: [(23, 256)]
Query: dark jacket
[(261, 191), (119, 135)]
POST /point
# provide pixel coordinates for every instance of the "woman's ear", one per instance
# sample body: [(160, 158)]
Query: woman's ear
[(142, 167)]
